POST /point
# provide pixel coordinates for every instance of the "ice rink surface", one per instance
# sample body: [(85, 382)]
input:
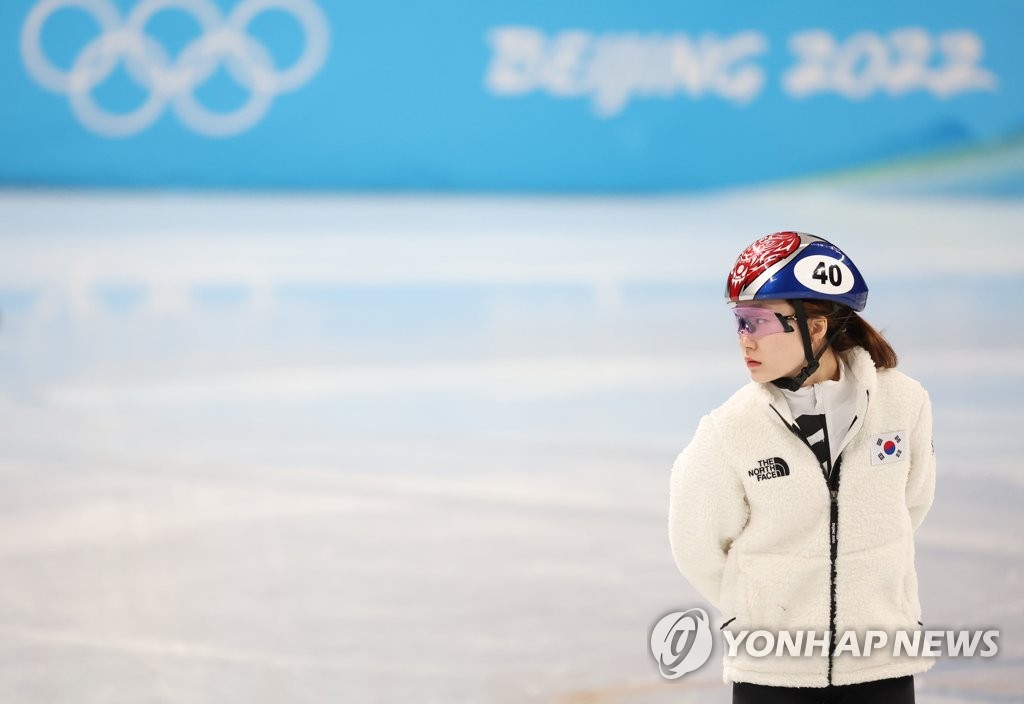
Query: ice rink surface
[(301, 449)]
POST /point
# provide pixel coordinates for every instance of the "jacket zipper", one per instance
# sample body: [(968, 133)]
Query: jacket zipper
[(833, 486), (832, 483)]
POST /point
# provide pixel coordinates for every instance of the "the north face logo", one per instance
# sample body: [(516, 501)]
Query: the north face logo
[(770, 468)]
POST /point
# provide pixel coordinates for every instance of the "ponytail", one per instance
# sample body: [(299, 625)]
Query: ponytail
[(856, 332)]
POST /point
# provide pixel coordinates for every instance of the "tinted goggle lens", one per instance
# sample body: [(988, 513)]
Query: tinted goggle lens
[(758, 322)]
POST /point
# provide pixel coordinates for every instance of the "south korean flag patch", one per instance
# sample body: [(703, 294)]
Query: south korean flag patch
[(888, 447)]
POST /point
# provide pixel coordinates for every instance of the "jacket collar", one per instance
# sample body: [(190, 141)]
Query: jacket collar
[(858, 363)]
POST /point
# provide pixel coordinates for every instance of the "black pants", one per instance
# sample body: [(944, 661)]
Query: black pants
[(898, 690)]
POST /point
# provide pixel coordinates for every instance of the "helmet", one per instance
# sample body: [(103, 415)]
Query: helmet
[(795, 265)]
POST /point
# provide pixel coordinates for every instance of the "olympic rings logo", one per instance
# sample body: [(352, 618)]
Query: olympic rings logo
[(222, 41)]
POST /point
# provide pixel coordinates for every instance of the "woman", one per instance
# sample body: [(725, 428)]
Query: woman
[(794, 506)]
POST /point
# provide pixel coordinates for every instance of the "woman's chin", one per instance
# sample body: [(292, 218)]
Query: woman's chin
[(758, 375)]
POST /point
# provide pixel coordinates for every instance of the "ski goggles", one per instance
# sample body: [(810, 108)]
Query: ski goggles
[(758, 322)]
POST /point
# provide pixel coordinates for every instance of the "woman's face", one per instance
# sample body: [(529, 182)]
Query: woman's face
[(777, 354)]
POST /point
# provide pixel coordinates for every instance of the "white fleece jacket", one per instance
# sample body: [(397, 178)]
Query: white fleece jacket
[(753, 534)]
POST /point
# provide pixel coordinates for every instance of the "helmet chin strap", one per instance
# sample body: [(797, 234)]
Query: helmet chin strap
[(792, 383)]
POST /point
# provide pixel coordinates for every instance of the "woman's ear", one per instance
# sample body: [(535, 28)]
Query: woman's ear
[(817, 327)]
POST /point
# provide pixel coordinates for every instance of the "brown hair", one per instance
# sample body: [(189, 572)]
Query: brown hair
[(857, 332)]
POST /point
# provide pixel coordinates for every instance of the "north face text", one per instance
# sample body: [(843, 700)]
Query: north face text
[(770, 468)]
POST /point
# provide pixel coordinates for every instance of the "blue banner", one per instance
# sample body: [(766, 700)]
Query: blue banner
[(502, 96)]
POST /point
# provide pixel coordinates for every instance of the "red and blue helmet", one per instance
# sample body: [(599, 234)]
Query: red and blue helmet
[(795, 265)]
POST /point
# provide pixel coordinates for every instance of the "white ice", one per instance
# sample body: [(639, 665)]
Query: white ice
[(276, 448)]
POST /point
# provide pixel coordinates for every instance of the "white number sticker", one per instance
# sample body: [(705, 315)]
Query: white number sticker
[(824, 274)]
